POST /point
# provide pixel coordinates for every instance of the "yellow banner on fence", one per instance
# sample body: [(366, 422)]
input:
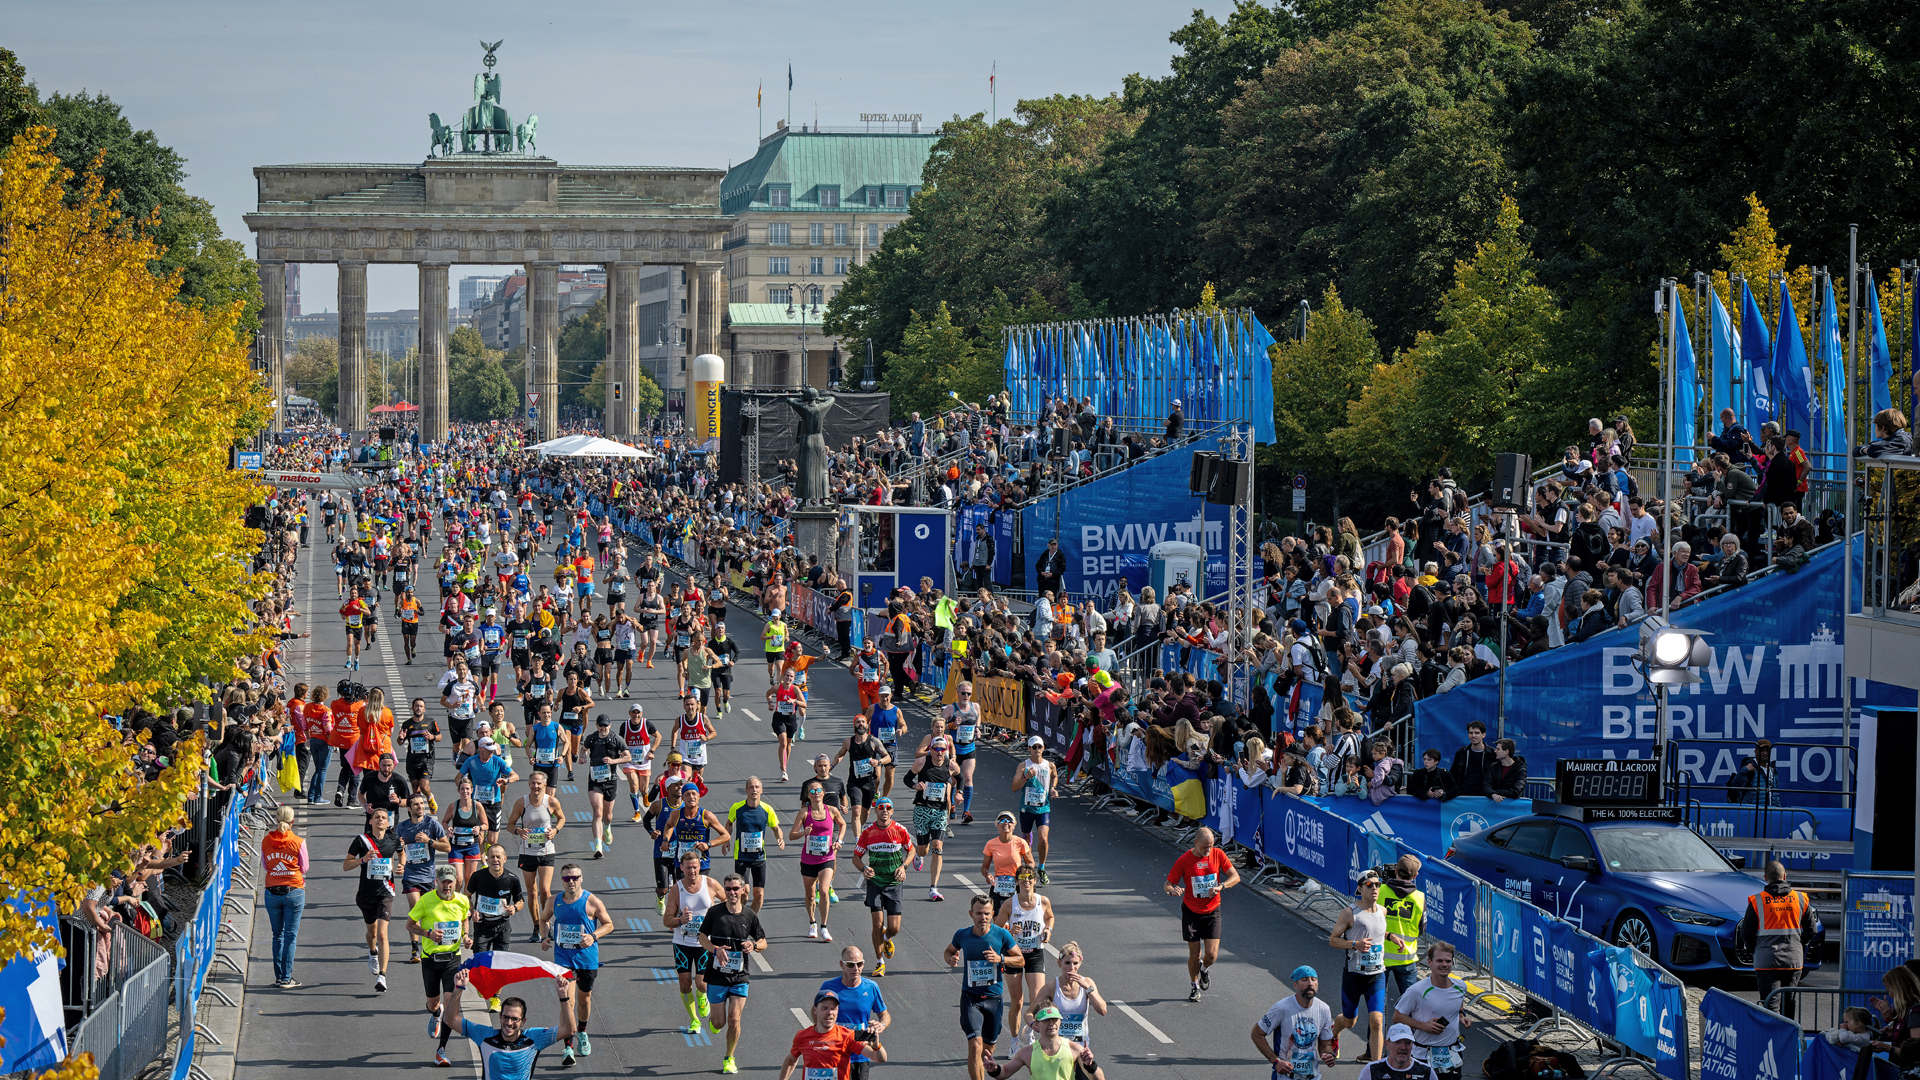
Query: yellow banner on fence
[(1001, 700)]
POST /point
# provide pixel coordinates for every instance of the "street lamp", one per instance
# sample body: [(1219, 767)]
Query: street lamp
[(803, 308)]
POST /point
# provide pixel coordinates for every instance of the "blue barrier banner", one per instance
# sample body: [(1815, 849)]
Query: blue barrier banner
[(1825, 1061), (1147, 787), (1430, 827), (1453, 903), (1246, 815), (1741, 1041), (1878, 917), (1108, 527), (1506, 920), (1808, 823), (1777, 661), (1569, 957), (1308, 839), (1537, 952), (1669, 1012)]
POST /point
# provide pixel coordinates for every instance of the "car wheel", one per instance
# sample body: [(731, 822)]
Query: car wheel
[(1634, 932)]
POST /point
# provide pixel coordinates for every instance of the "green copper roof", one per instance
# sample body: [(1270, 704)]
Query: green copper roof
[(806, 160), (739, 315)]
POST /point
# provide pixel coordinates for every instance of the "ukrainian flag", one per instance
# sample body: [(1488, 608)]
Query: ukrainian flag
[(1189, 791)]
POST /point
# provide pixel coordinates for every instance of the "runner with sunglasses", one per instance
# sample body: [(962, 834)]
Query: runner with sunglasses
[(728, 932), (862, 1009)]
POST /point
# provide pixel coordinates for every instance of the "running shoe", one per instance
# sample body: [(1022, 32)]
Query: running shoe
[(569, 776), (288, 984), (919, 864), (1193, 992), (566, 1058), (373, 963), (649, 663), (934, 894), (886, 948), (433, 805), (380, 984), (880, 970), (1206, 979), (493, 1004), (413, 957), (433, 1024), (706, 1006), (596, 850), (638, 815), (585, 1044), (609, 836), (825, 934), (533, 938), (966, 818), (727, 1066), (813, 930), (339, 797), (660, 904), (833, 897), (783, 776), (440, 1058), (1044, 877)]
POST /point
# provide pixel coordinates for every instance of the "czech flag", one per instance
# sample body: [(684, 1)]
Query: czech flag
[(488, 972)]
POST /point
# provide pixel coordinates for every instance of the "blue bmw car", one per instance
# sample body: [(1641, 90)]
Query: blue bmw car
[(1653, 886)]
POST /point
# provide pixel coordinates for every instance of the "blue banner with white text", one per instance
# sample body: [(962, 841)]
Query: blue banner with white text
[(1878, 933), (1741, 1041)]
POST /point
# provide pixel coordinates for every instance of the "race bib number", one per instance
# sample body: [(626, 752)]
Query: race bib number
[(603, 772), (492, 906), (449, 932), (1027, 934), (1036, 796), (734, 963), (1204, 885), (544, 755), (380, 868), (418, 745), (570, 935), (1443, 1058), (569, 715), (1003, 884), (1073, 1027), (682, 640), (964, 733), (863, 766), (487, 793), (1373, 960), (819, 845), (464, 837), (417, 852), (692, 747), (822, 1074), (937, 792), (752, 842), (353, 621), (536, 838), (982, 973)]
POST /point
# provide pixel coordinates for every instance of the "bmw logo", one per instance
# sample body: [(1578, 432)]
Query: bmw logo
[(1499, 932), (1465, 825)]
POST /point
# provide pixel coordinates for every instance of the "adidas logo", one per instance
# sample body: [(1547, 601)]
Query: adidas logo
[(1768, 1069), (1377, 823), (1804, 831)]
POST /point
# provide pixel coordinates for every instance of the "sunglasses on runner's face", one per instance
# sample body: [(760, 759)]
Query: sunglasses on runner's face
[(571, 877), (853, 963)]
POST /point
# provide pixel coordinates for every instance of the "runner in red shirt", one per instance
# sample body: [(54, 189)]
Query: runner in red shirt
[(1198, 877), (825, 1045), (354, 613)]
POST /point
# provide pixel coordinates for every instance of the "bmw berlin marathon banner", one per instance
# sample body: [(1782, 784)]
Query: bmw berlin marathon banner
[(1108, 528), (1776, 670)]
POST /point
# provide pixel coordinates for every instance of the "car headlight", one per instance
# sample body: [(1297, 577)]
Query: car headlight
[(1689, 916)]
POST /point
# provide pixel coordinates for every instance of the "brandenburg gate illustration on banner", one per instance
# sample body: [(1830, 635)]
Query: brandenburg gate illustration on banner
[(485, 195)]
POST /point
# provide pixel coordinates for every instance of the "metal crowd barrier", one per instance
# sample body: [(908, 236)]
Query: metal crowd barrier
[(198, 948)]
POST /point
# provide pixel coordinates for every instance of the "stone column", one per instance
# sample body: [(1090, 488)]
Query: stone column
[(352, 411), (273, 336), (623, 362), (433, 353), (543, 345)]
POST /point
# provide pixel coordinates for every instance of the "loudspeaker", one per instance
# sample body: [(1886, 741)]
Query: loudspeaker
[(1200, 476), (1062, 445), (1228, 477), (257, 517), (1511, 473), (386, 434)]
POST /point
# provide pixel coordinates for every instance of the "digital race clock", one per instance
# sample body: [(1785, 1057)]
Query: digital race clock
[(1607, 782)]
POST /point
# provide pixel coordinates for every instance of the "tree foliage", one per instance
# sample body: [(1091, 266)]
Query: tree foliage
[(313, 370), (937, 360), (478, 389), (120, 526), (1316, 377), (583, 347)]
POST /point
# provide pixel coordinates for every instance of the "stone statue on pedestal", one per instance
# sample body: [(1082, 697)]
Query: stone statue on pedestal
[(812, 406)]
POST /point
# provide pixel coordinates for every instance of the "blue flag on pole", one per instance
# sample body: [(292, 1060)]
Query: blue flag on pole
[(1831, 415), (1879, 357), (1756, 354), (1686, 400), (1792, 375), (1728, 376)]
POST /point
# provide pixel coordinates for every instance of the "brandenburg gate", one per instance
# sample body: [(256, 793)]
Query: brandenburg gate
[(484, 195)]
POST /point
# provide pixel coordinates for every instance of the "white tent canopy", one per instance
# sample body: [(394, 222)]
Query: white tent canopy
[(589, 446)]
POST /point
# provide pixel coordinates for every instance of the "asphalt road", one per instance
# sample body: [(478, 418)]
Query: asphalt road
[(1106, 878)]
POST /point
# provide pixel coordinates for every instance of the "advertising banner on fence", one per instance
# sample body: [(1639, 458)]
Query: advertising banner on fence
[(1000, 701), (1306, 838), (1506, 930), (1430, 826), (1107, 528), (1777, 661), (1741, 1041), (1878, 932), (1453, 903)]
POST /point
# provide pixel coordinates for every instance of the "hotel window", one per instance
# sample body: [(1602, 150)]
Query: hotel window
[(816, 265), (840, 235), (896, 199), (777, 265), (778, 195), (781, 233), (840, 265), (873, 236), (829, 197), (779, 296), (816, 233), (873, 196)]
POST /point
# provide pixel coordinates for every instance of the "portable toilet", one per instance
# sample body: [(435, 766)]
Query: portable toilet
[(1172, 562)]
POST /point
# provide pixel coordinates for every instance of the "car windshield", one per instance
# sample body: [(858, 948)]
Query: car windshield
[(1641, 849)]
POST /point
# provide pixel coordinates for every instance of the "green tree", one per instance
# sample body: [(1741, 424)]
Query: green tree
[(647, 395), (1316, 377), (145, 178), (1455, 395), (313, 370), (583, 347), (465, 341), (478, 390), (937, 359), (19, 100)]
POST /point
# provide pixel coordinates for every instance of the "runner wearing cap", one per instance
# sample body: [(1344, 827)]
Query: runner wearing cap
[(824, 1049), (1002, 858), (862, 1008), (725, 651), (544, 732), (1036, 779), (889, 726), (637, 732), (934, 799), (1028, 916), (774, 642), (421, 837), (439, 921), (728, 932), (866, 755), (1361, 931), (789, 707), (665, 866), (1399, 1062), (604, 754), (1050, 1056), (752, 821), (490, 775), (1296, 1035), (1198, 877), (880, 854), (963, 716)]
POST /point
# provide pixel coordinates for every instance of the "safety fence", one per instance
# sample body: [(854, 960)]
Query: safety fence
[(121, 978), (198, 948)]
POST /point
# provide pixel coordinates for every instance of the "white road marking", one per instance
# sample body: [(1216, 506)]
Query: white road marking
[(760, 962), (1142, 1021), (753, 716), (801, 1015)]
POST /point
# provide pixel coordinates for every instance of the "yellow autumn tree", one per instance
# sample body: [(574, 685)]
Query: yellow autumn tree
[(123, 556)]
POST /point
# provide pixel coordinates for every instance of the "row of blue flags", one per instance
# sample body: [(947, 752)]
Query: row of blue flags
[(1776, 382)]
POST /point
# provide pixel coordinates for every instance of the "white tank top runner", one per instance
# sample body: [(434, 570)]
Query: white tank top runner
[(694, 905), (1027, 923), (1073, 1014), (538, 822)]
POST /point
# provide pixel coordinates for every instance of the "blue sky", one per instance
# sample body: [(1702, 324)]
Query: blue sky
[(233, 85)]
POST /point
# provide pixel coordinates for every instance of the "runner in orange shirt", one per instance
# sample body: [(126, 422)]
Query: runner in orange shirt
[(1003, 857), (824, 1045)]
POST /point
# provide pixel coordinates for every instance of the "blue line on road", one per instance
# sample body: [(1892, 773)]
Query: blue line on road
[(662, 974), (582, 815), (696, 1038), (616, 883), (569, 789)]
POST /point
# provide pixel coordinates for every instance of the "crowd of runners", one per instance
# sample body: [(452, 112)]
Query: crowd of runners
[(455, 538)]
